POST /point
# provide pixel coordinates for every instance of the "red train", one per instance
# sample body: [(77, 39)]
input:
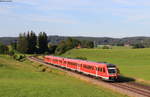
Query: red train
[(103, 70)]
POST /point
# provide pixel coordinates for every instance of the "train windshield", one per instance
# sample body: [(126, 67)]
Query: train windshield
[(111, 70)]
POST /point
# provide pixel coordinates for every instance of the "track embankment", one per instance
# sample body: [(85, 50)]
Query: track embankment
[(132, 89)]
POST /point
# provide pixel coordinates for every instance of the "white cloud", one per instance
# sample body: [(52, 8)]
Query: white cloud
[(123, 2), (29, 2), (62, 11), (40, 18), (133, 2), (46, 5), (136, 15), (49, 17), (50, 7), (5, 9)]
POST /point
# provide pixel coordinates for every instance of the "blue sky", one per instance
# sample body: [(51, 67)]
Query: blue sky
[(96, 18)]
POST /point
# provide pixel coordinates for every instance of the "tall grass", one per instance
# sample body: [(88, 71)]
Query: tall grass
[(132, 62), (24, 79)]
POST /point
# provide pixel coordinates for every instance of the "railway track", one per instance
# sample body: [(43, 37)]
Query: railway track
[(143, 92), (128, 88)]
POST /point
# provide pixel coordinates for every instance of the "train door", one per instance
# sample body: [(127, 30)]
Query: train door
[(49, 60), (78, 67), (65, 63), (99, 71), (96, 71), (104, 71), (62, 63)]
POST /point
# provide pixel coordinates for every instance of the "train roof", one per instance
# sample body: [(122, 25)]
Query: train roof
[(54, 57), (83, 61), (110, 65)]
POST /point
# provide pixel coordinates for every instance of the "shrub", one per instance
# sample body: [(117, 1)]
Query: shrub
[(11, 53), (80, 57), (19, 57), (3, 49), (1, 65), (138, 46), (105, 47), (40, 65), (46, 53), (43, 69)]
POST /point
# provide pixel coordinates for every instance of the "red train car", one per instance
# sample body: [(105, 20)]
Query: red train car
[(103, 70)]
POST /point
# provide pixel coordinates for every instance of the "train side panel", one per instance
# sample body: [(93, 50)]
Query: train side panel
[(88, 68), (101, 70), (71, 64)]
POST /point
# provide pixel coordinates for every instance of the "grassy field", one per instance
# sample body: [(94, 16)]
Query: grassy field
[(25, 79), (132, 62)]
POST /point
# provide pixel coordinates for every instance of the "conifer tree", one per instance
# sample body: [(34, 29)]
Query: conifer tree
[(32, 42), (42, 42), (22, 45)]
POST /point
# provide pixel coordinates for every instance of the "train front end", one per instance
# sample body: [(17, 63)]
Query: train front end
[(113, 72)]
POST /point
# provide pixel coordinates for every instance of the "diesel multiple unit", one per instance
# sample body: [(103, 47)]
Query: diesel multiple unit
[(102, 70)]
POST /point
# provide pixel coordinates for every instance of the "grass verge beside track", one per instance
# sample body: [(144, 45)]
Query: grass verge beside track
[(28, 79)]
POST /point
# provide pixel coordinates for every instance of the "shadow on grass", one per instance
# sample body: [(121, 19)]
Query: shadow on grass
[(123, 79)]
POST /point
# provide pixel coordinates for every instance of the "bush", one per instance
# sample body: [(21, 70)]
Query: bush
[(61, 49), (52, 48), (19, 57), (82, 58), (138, 46), (42, 69), (1, 65), (105, 47), (40, 65), (11, 53), (3, 49)]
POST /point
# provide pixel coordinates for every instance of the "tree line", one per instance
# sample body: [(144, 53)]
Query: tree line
[(3, 49), (30, 43), (71, 43)]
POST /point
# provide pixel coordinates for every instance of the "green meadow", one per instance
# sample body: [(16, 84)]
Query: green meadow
[(27, 79), (133, 63)]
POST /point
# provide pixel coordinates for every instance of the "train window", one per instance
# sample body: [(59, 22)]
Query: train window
[(110, 65), (88, 67), (99, 69), (55, 60), (103, 69), (65, 62), (112, 70), (71, 63), (79, 65)]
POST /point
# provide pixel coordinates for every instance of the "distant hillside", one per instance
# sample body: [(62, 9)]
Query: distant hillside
[(104, 40), (96, 40), (7, 40)]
